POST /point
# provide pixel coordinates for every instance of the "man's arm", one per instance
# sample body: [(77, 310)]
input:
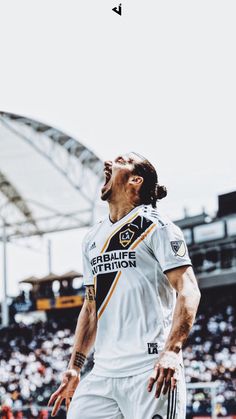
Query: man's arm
[(184, 282), (85, 332)]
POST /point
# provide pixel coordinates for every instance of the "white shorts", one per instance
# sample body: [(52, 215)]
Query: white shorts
[(99, 397)]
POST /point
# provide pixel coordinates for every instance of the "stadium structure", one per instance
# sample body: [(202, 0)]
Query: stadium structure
[(34, 355), (49, 182)]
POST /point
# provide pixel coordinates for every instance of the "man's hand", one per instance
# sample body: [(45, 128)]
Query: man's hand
[(165, 373), (70, 380)]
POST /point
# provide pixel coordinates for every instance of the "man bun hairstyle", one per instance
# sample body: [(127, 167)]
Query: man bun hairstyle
[(150, 191), (161, 191)]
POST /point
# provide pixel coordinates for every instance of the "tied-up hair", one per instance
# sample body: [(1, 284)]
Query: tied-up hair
[(150, 191)]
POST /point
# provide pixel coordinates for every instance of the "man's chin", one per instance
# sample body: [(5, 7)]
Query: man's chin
[(105, 194)]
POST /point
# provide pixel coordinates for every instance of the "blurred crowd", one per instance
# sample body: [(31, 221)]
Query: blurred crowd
[(32, 361), (210, 356), (34, 357)]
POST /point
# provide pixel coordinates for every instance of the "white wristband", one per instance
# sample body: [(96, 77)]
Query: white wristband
[(168, 359)]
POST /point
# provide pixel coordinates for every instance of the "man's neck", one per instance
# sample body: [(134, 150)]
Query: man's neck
[(119, 210)]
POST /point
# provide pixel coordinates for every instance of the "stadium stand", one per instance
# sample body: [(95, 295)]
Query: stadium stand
[(210, 353), (33, 358)]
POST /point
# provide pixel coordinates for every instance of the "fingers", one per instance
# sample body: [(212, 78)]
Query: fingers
[(160, 381), (52, 398), (173, 383), (57, 393), (150, 384), (67, 403), (164, 380), (56, 405), (168, 379), (153, 378)]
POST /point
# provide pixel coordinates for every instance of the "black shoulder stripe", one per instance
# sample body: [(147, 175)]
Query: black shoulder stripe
[(128, 233)]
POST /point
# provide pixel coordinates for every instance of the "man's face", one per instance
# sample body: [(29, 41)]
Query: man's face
[(117, 174)]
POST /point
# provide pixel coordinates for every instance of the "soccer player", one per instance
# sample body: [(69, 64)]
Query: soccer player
[(140, 304)]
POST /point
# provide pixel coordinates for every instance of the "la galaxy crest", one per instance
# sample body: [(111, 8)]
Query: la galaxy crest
[(126, 237)]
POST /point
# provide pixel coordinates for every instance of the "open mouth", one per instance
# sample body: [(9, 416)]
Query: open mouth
[(107, 174)]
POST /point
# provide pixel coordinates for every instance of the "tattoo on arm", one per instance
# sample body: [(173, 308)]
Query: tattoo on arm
[(90, 293), (79, 359)]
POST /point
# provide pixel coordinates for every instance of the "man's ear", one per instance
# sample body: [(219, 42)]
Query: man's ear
[(136, 180)]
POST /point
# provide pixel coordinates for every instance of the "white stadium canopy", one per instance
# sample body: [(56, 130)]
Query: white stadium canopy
[(49, 181)]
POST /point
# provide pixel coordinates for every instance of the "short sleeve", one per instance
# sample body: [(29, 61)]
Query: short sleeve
[(169, 247), (87, 269)]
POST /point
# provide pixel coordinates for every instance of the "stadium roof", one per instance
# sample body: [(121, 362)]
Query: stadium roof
[(193, 221), (51, 277), (49, 181)]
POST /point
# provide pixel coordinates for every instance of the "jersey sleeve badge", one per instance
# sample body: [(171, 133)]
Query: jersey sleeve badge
[(178, 247)]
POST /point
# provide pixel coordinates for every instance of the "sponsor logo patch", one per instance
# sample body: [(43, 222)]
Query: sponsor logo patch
[(178, 247), (125, 237)]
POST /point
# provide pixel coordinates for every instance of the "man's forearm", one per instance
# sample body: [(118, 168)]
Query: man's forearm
[(85, 332), (183, 319)]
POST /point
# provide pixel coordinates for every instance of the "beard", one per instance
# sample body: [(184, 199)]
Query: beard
[(106, 193)]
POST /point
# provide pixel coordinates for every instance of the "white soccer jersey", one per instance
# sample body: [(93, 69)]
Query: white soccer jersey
[(126, 262)]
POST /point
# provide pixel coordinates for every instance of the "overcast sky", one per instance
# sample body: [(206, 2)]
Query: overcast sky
[(159, 80)]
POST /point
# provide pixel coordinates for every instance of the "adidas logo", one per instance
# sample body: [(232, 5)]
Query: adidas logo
[(93, 245)]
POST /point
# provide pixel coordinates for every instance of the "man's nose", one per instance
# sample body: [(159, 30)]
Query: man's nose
[(108, 163)]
